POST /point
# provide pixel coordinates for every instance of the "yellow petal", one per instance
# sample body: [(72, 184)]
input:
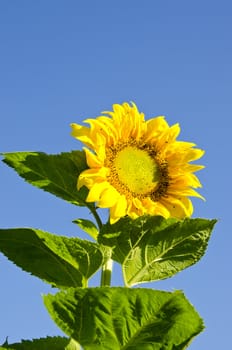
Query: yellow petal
[(107, 126), (193, 167), (108, 197), (186, 192), (139, 206), (168, 136), (193, 154), (180, 181), (92, 160), (155, 208), (89, 176), (178, 208), (155, 127), (118, 210), (161, 210), (82, 133), (96, 191)]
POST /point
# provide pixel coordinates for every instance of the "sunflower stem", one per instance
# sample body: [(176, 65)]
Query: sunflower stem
[(106, 273), (108, 265), (96, 216)]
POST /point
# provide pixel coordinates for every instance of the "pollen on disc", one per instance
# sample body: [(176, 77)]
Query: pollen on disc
[(137, 170)]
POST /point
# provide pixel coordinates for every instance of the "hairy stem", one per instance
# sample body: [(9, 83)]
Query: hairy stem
[(96, 216), (108, 265), (106, 273)]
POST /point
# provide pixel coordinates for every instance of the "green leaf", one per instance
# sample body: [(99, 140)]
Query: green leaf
[(49, 343), (61, 261), (122, 318), (152, 248), (87, 226), (54, 173)]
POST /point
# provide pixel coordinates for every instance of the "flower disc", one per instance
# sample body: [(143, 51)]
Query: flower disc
[(137, 170)]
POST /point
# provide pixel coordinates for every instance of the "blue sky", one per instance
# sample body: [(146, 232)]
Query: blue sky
[(64, 61)]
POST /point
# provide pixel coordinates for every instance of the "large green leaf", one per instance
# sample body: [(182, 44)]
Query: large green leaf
[(54, 173), (49, 343), (62, 261), (152, 248), (122, 318)]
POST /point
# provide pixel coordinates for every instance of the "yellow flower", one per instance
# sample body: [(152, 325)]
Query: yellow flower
[(137, 167)]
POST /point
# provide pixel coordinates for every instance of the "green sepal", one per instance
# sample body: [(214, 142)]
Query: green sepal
[(54, 173), (49, 343), (152, 248), (87, 226), (123, 318), (61, 261)]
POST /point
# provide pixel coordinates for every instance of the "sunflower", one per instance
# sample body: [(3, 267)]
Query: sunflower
[(137, 167)]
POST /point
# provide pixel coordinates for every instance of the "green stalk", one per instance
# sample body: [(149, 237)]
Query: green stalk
[(108, 265), (106, 273), (96, 216)]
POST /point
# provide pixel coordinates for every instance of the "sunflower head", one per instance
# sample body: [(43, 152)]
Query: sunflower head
[(137, 167)]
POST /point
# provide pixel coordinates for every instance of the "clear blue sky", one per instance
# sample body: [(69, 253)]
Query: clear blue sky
[(64, 61)]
